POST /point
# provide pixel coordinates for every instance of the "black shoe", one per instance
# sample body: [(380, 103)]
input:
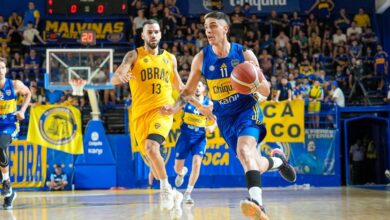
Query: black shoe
[(285, 170), (9, 201), (6, 190)]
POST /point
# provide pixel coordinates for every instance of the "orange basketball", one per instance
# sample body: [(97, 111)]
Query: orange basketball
[(245, 77)]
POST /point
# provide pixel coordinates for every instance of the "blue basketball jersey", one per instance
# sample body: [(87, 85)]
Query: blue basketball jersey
[(8, 103), (193, 120), (217, 71)]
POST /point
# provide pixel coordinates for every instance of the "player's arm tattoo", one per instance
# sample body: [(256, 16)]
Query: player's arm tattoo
[(129, 56)]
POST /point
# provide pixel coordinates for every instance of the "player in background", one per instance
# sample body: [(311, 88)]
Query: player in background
[(9, 126), (239, 117), (192, 140), (152, 75)]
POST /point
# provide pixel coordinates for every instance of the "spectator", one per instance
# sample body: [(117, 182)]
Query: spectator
[(251, 40), (17, 67), (5, 31), (356, 30), (296, 24), (53, 96), (265, 61), (32, 65), (327, 43), (300, 43), (4, 50), (338, 37), (282, 42), (324, 7), (341, 57), (314, 42), (58, 179), (171, 4), (284, 91), (237, 19), (342, 21), (369, 38), (312, 24), (337, 95), (285, 23), (355, 49), (357, 153), (316, 95), (138, 23), (274, 24), (31, 15), (36, 97), (15, 21), (168, 25), (381, 66), (28, 37), (341, 78), (362, 19), (267, 43)]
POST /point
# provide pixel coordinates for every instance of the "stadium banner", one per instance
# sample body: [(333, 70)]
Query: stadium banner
[(66, 30), (27, 164), (57, 127), (317, 157), (256, 6), (284, 121)]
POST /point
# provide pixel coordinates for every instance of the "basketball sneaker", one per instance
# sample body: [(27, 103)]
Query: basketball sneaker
[(252, 209), (180, 177), (166, 199), (285, 170), (187, 199), (176, 212), (7, 189), (9, 201)]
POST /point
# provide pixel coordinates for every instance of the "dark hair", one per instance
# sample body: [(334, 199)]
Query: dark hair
[(150, 21), (218, 15)]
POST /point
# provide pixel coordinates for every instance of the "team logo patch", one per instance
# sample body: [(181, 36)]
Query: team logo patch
[(1, 95), (146, 60), (235, 62), (211, 68), (157, 125), (58, 125), (8, 92), (94, 136), (166, 61)]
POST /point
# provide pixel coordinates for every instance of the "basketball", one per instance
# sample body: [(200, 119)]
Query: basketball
[(245, 77)]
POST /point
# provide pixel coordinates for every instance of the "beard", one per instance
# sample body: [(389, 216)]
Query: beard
[(152, 45)]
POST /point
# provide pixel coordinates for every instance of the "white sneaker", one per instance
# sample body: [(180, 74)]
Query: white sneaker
[(180, 178), (187, 199), (166, 199), (176, 211)]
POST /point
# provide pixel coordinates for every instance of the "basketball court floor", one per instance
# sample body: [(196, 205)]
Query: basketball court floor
[(210, 204)]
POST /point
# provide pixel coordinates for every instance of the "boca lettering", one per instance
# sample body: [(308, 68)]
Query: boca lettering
[(216, 159)]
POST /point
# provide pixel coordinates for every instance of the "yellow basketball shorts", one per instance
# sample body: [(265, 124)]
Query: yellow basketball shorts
[(152, 123)]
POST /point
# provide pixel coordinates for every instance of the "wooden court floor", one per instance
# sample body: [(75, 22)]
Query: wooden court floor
[(210, 204)]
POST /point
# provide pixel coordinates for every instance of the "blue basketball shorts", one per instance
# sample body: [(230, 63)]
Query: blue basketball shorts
[(190, 143), (247, 123)]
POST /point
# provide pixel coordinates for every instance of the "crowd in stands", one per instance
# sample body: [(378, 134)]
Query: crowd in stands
[(305, 55)]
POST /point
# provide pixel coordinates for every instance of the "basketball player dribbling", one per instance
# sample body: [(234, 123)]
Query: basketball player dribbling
[(239, 117), (152, 74)]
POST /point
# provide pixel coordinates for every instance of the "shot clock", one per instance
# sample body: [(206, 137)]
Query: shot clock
[(88, 37), (86, 7)]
